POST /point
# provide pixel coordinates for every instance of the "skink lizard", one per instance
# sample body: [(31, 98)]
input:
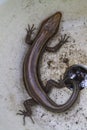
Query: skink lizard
[(33, 84)]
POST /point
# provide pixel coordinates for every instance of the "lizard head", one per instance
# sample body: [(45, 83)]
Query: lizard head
[(51, 24)]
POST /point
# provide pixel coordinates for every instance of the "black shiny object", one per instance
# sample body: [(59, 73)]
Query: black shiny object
[(77, 73)]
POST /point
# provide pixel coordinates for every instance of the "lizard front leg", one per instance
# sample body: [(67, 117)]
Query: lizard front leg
[(62, 41), (30, 31)]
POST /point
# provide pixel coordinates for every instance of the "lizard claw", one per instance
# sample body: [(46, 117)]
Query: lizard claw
[(64, 38), (30, 30), (25, 114)]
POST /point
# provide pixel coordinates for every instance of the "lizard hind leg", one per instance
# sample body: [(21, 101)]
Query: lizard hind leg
[(52, 83), (28, 113)]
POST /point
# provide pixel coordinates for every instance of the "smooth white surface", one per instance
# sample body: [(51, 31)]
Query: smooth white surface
[(2, 1), (15, 15)]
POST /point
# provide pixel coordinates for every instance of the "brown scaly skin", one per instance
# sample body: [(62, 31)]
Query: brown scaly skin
[(32, 81)]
